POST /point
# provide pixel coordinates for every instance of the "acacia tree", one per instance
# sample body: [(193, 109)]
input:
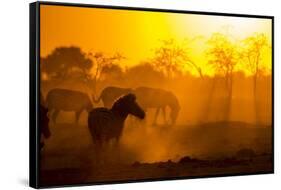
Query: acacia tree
[(254, 47), (223, 57), (252, 54), (170, 58), (100, 62), (67, 62)]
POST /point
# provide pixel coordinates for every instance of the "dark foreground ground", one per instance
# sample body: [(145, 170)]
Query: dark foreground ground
[(142, 171), (68, 156)]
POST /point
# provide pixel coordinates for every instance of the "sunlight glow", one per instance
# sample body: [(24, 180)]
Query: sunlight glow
[(136, 34)]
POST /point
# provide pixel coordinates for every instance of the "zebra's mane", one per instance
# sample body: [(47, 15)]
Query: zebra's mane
[(122, 102)]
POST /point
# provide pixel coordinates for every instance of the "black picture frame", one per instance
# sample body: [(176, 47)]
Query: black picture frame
[(34, 82)]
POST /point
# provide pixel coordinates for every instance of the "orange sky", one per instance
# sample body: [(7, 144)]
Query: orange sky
[(135, 33)]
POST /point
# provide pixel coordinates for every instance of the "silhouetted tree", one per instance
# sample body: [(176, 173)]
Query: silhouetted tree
[(223, 56), (171, 57), (254, 47), (67, 62), (101, 61), (112, 71)]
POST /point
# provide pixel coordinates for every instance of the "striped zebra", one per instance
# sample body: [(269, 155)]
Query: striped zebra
[(107, 124)]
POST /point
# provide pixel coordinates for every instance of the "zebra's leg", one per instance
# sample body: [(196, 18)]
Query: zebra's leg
[(101, 143), (55, 115), (116, 147), (110, 151), (155, 116), (164, 115), (98, 152), (77, 115), (104, 147), (144, 121)]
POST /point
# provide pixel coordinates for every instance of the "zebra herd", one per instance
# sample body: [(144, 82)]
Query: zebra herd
[(107, 123)]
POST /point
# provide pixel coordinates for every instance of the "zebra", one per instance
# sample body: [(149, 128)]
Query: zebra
[(110, 94), (107, 124), (67, 100), (44, 125), (158, 99)]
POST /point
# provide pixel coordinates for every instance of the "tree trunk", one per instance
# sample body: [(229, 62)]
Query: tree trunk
[(227, 105), (255, 98), (256, 109)]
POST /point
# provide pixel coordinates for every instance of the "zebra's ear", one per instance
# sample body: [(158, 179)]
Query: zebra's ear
[(132, 96)]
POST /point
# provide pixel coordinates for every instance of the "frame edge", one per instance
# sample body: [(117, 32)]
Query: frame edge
[(33, 94)]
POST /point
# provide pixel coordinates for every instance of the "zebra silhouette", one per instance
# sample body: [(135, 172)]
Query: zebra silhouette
[(44, 125), (107, 124)]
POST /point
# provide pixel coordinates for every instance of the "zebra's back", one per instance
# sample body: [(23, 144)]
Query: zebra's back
[(103, 124)]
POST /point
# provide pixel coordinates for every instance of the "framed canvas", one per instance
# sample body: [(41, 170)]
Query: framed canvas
[(122, 94)]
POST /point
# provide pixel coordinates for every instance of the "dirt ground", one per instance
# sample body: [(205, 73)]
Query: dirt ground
[(154, 152)]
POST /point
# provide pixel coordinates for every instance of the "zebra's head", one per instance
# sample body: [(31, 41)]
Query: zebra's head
[(174, 115), (128, 105)]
